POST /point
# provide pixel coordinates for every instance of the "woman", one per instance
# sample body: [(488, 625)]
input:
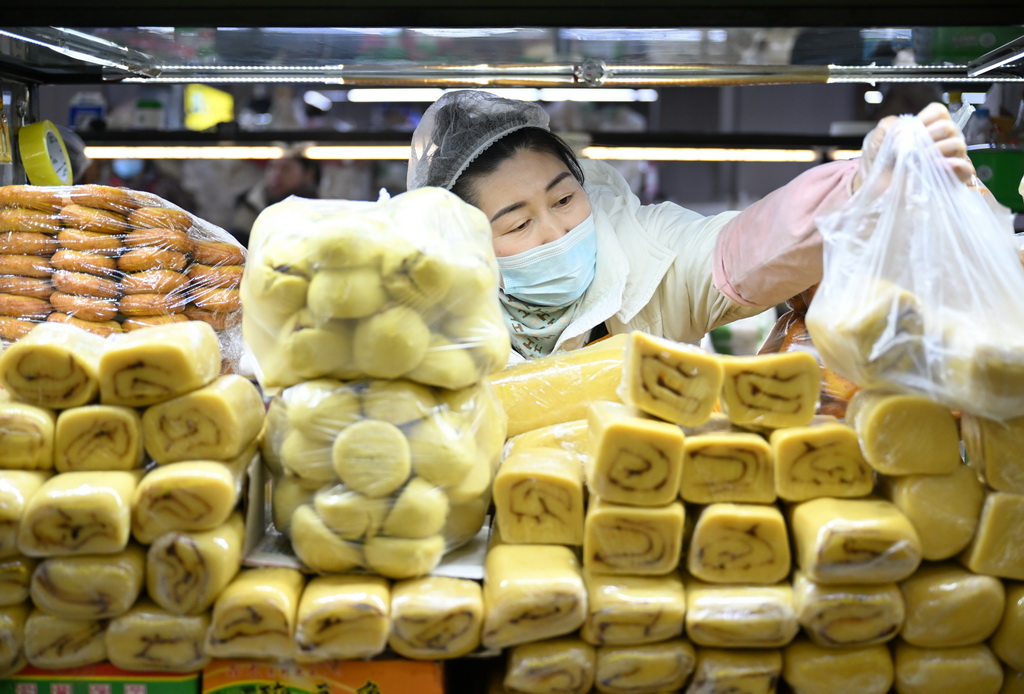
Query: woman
[(579, 255)]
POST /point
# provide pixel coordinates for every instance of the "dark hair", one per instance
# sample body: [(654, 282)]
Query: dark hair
[(522, 140), (311, 166)]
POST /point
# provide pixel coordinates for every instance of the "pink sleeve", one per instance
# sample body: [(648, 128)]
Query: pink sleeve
[(772, 250)]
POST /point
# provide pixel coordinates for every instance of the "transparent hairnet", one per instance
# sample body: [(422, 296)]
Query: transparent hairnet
[(458, 127)]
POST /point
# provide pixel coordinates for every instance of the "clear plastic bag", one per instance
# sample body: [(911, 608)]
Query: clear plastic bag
[(922, 284)]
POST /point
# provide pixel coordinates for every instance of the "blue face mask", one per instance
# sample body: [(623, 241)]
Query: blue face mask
[(127, 168), (555, 274)]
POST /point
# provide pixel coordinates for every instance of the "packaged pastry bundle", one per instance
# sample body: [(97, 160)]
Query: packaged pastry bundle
[(112, 260), (381, 475), (403, 288)]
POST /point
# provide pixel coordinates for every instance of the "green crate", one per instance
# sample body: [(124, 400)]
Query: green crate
[(1001, 170)]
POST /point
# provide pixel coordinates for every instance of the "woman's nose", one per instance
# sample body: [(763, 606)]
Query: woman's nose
[(552, 229)]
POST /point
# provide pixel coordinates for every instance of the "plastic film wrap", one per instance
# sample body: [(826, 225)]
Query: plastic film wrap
[(15, 577), (342, 618), (811, 669), (57, 643), (435, 617), (948, 606), (630, 610), (963, 669), (1008, 640), (91, 586), (997, 548), (17, 487), (255, 615), (847, 615), (735, 616), (12, 637), (148, 638), (993, 450), (644, 669), (565, 666)]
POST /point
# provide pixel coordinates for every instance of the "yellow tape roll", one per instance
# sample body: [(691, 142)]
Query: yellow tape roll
[(44, 155)]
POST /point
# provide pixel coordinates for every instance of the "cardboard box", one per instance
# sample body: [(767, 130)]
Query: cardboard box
[(345, 677), (99, 679)]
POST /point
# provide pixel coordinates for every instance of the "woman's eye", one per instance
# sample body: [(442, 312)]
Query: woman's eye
[(521, 226), (565, 200)]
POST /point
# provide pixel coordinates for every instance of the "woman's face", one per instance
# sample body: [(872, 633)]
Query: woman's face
[(531, 199)]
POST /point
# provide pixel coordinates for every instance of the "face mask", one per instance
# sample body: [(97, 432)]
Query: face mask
[(127, 168), (555, 274)]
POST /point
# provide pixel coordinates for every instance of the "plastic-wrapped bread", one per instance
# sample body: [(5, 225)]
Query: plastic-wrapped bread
[(949, 606), (997, 548), (12, 637), (639, 540), (59, 643), (55, 366), (538, 498), (254, 616), (1013, 681), (634, 458), (820, 460), (555, 666), (214, 422), (26, 436), (812, 669), (98, 437), (187, 569), (943, 509), (644, 669), (531, 592), (17, 487), (342, 618), (418, 510), (727, 466), (1008, 640), (739, 543), (435, 617), (736, 671), (839, 541), (559, 387), (847, 616), (319, 548), (402, 557), (573, 437), (631, 610), (288, 495), (148, 638), (79, 513), (350, 514), (771, 390), (89, 586), (676, 382), (372, 457), (145, 367), (992, 449), (734, 616), (904, 434), (15, 578), (928, 670)]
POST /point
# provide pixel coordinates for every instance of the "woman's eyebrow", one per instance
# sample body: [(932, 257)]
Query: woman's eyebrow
[(516, 205), (556, 180)]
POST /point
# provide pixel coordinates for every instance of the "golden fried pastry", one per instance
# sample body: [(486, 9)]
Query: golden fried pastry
[(219, 253), (151, 305), (163, 239), (25, 265), (24, 219), (26, 286), (27, 243), (25, 307), (85, 307), (102, 328), (93, 219), (216, 299), (160, 218), (153, 282), (151, 258), (84, 284), (83, 261), (90, 241), (45, 198), (223, 276)]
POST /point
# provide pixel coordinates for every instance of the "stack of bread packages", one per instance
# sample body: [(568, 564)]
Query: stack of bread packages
[(373, 327), (112, 260), (121, 472)]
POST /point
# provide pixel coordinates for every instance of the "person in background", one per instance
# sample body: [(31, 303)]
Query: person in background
[(580, 257), (146, 175), (292, 174)]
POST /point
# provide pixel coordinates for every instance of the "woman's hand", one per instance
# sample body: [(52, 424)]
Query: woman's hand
[(944, 134)]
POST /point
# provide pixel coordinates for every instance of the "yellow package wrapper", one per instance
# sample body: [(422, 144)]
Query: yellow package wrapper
[(342, 618), (556, 666), (15, 578), (721, 616), (79, 513), (736, 671), (1008, 640), (644, 669), (559, 388), (967, 669), (254, 616), (17, 487), (949, 606), (56, 365), (12, 638), (538, 498), (840, 541), (634, 458), (771, 390), (821, 460), (144, 367), (739, 543), (89, 586), (631, 610), (811, 669), (993, 450), (638, 540), (727, 466), (904, 434), (676, 382), (98, 437), (26, 436), (187, 569), (573, 437), (148, 638), (531, 593), (847, 616), (997, 548), (943, 509), (435, 617), (59, 643)]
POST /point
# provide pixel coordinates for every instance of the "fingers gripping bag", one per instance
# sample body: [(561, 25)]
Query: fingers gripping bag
[(402, 288), (922, 284)]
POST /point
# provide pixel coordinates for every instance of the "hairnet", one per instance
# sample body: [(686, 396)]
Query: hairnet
[(458, 127)]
